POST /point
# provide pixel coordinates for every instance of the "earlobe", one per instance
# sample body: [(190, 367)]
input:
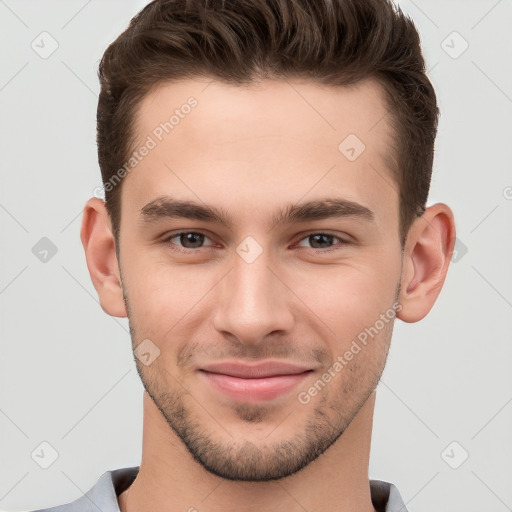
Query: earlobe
[(100, 253), (427, 256)]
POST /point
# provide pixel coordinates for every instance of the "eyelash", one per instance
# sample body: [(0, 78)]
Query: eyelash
[(176, 248)]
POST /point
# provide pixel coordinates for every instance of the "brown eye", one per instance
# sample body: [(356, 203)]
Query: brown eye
[(321, 240), (187, 240)]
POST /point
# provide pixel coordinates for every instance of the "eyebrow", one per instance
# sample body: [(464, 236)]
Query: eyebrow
[(168, 207)]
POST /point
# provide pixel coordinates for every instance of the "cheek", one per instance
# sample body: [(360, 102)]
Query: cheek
[(164, 295), (347, 298), (361, 359), (164, 300), (155, 284)]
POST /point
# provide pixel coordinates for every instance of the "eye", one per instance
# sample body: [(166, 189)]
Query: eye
[(187, 241), (322, 241), (190, 240)]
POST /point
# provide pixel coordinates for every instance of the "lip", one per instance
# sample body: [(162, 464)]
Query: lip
[(256, 382), (255, 371)]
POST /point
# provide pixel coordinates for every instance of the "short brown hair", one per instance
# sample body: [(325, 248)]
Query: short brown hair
[(332, 42)]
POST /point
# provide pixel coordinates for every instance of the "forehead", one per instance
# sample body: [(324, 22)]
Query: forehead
[(260, 109), (263, 141)]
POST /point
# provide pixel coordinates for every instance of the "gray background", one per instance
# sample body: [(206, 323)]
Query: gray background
[(66, 371)]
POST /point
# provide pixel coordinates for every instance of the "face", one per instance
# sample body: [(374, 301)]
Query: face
[(260, 256)]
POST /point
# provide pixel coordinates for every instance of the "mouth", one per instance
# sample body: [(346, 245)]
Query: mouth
[(254, 383)]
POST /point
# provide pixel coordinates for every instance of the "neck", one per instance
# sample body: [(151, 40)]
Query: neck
[(170, 479)]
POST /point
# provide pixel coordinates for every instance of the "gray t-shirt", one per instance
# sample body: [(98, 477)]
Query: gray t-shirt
[(103, 495)]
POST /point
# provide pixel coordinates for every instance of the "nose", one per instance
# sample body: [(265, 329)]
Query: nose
[(253, 301)]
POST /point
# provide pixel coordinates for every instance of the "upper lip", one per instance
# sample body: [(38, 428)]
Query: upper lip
[(254, 371)]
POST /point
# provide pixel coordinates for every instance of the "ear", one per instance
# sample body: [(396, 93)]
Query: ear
[(427, 255), (100, 253)]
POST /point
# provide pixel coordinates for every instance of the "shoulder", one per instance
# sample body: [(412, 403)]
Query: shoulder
[(102, 496), (385, 497)]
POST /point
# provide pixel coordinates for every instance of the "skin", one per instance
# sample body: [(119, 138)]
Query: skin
[(250, 151)]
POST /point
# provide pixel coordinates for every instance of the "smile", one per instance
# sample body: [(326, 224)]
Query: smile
[(263, 382)]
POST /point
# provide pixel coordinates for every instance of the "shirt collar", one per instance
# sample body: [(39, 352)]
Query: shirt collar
[(103, 495)]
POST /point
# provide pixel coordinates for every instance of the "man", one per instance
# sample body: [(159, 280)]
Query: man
[(266, 166)]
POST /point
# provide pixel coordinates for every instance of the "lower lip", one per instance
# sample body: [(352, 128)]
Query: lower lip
[(254, 390)]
